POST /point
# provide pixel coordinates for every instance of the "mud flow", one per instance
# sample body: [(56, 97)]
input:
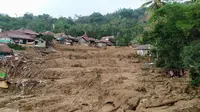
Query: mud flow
[(86, 79)]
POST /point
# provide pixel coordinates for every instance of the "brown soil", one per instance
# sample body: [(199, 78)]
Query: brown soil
[(85, 79)]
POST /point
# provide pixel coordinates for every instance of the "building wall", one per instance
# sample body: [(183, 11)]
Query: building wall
[(6, 40), (40, 43), (142, 52), (101, 44), (82, 41)]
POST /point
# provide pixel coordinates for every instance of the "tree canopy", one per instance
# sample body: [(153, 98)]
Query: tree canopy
[(125, 24), (175, 32)]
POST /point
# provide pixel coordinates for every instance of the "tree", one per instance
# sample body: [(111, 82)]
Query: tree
[(154, 4), (167, 37), (191, 59), (96, 17), (175, 33), (125, 24)]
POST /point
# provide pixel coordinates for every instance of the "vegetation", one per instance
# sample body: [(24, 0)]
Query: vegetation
[(175, 33), (47, 38), (125, 24), (174, 30), (191, 59), (16, 46), (155, 4)]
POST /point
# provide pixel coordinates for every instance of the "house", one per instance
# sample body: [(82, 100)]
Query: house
[(28, 32), (103, 43), (15, 36), (107, 38), (60, 37), (5, 51), (143, 50), (86, 40), (39, 42), (70, 40)]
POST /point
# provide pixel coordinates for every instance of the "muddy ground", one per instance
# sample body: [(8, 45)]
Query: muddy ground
[(85, 79)]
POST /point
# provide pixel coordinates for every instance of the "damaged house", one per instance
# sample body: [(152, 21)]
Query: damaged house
[(103, 43), (143, 49), (85, 40), (15, 36), (5, 51)]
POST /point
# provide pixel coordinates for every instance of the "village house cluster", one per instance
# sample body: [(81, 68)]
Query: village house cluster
[(29, 38)]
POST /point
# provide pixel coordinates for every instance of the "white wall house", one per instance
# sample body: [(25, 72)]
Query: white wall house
[(40, 43), (143, 50)]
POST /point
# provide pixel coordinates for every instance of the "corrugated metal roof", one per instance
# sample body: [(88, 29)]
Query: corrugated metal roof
[(15, 34), (4, 48), (88, 38), (27, 31), (144, 47)]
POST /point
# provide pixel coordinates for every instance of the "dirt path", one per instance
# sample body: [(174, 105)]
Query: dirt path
[(97, 80)]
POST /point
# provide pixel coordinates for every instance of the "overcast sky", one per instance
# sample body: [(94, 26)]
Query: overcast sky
[(57, 8)]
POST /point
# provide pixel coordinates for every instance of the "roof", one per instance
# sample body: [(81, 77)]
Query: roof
[(144, 47), (102, 41), (27, 31), (4, 48), (59, 34), (107, 37), (47, 33), (69, 37), (15, 34), (88, 38)]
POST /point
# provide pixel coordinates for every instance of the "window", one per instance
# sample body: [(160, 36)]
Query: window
[(36, 42), (42, 41)]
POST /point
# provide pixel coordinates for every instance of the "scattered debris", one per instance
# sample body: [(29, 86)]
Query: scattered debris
[(85, 79)]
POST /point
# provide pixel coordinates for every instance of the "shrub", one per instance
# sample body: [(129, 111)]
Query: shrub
[(16, 46)]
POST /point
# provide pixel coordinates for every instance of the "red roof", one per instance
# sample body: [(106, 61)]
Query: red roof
[(88, 38), (15, 34), (48, 33), (4, 48), (27, 31), (3, 34)]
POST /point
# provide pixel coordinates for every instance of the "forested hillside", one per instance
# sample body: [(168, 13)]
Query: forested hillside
[(125, 24)]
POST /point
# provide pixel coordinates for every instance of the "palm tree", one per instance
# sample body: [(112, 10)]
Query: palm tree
[(155, 4)]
